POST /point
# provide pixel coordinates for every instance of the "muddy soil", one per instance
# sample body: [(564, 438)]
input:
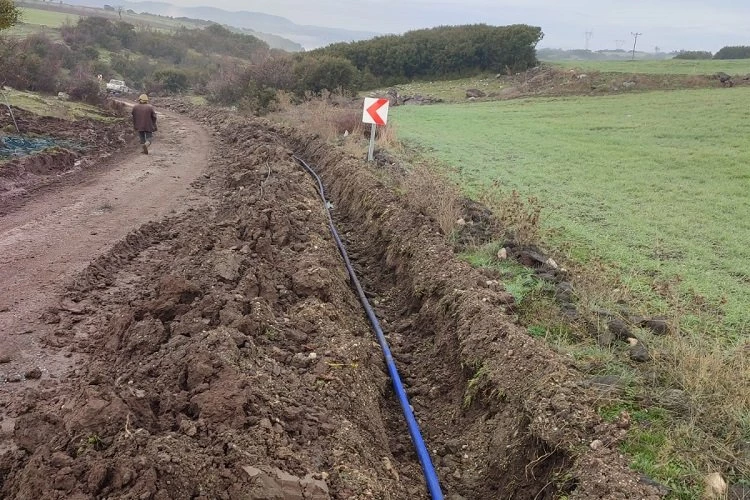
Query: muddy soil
[(53, 233), (84, 145), (224, 355)]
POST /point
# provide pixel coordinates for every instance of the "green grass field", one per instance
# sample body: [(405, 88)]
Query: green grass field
[(47, 17), (51, 18), (647, 197), (664, 67), (50, 106), (655, 183)]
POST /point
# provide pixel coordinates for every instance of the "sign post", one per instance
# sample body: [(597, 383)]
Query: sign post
[(376, 113)]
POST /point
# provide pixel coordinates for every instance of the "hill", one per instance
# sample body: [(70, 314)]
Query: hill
[(310, 37), (43, 16)]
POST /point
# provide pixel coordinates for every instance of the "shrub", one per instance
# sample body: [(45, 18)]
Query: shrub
[(276, 71), (31, 64), (172, 80), (694, 54), (316, 74), (227, 88), (258, 99), (442, 52), (87, 91)]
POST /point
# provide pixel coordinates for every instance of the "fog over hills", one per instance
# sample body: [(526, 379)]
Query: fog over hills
[(307, 36)]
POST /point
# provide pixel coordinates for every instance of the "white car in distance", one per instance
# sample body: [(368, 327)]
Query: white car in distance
[(117, 87)]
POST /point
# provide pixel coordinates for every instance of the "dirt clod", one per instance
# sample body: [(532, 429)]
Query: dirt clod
[(639, 352), (34, 374)]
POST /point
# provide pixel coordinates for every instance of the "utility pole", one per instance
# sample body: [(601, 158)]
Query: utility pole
[(635, 41), (589, 35), (619, 44)]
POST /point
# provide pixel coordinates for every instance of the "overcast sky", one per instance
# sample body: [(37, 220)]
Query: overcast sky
[(668, 24)]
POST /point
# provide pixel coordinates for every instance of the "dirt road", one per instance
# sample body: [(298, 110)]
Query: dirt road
[(53, 236)]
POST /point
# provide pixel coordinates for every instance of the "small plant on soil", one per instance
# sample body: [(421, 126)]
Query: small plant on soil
[(271, 334), (92, 442), (106, 206), (474, 386)]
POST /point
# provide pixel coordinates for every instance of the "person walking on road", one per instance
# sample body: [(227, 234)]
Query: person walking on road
[(144, 121)]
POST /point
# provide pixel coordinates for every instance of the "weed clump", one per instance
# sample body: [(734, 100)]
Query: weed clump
[(519, 219)]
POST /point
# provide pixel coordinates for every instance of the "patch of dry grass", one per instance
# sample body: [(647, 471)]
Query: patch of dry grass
[(330, 116), (519, 218), (432, 195), (338, 120)]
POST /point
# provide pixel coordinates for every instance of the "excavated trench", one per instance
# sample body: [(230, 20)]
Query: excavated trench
[(226, 356)]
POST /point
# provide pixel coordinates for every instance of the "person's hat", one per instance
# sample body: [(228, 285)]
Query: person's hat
[(143, 98)]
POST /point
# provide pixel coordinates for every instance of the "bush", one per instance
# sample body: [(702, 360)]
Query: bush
[(31, 64), (276, 71), (227, 88), (135, 70), (694, 54), (87, 91), (258, 99), (319, 73), (172, 80)]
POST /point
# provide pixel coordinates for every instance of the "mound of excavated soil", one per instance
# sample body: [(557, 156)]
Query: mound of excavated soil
[(226, 357), (91, 139)]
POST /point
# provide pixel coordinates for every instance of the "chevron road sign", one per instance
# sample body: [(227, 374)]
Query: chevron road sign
[(376, 111)]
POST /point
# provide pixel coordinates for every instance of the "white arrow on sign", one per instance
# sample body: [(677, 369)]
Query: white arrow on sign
[(376, 111)]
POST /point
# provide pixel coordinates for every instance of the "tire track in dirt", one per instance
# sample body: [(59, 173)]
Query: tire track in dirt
[(54, 235)]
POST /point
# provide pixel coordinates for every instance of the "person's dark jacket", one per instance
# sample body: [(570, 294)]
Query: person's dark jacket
[(144, 118)]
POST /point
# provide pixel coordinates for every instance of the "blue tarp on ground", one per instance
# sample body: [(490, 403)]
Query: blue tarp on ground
[(12, 146)]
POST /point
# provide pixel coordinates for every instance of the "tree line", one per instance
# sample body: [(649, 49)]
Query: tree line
[(439, 53), (729, 52), (239, 69)]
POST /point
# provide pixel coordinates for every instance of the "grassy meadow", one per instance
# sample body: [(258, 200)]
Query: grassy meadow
[(50, 17), (657, 183), (662, 67), (47, 18), (647, 198), (50, 106)]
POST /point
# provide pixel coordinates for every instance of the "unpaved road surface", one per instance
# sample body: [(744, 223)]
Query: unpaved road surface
[(50, 238), (221, 353)]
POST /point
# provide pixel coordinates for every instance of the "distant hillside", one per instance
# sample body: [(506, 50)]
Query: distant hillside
[(33, 18), (273, 41), (310, 37)]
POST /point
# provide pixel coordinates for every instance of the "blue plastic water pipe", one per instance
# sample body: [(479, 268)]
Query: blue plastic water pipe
[(433, 484)]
